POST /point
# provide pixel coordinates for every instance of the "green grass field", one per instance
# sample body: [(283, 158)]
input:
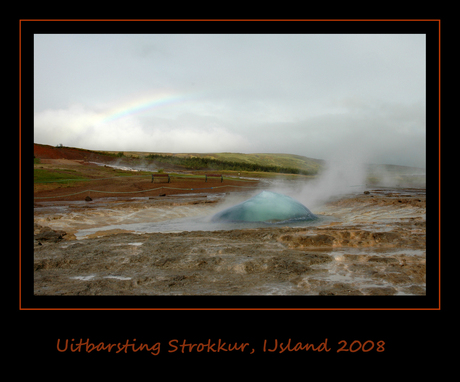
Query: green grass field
[(51, 176)]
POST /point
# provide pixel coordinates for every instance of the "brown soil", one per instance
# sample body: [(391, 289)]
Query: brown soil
[(131, 187)]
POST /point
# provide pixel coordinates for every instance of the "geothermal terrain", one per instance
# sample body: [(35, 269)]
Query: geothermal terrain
[(112, 231)]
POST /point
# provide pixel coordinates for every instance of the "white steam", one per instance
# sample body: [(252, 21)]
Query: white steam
[(343, 174), (339, 178)]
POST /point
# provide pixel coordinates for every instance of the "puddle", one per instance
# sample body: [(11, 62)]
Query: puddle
[(83, 278), (92, 277), (117, 277), (193, 224)]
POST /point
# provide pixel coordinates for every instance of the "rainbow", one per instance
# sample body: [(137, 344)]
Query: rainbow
[(143, 104)]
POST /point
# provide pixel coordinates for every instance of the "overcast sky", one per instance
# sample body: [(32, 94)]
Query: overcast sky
[(320, 96)]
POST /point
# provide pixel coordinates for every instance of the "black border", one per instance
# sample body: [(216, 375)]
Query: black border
[(28, 301)]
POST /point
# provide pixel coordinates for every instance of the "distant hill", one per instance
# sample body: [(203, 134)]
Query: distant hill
[(71, 153), (261, 162), (301, 163), (395, 169), (282, 163), (282, 160)]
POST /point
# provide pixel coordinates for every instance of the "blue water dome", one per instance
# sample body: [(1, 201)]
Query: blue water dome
[(265, 207)]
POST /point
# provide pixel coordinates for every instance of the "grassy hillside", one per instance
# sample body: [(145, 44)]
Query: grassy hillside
[(259, 165), (280, 163), (281, 160)]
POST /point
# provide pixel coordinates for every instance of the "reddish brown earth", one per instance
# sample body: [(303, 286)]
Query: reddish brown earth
[(107, 182), (125, 187), (50, 152)]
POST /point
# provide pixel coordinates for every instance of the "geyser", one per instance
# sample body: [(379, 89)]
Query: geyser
[(265, 207)]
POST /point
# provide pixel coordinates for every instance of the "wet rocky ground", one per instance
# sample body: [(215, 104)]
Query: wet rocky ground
[(370, 243)]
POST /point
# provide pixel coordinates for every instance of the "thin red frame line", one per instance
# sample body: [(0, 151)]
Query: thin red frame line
[(439, 159), (230, 20), (20, 166)]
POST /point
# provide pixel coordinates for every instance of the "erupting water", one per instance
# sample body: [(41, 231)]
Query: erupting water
[(265, 207)]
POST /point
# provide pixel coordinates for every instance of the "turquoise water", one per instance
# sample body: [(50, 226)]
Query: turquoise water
[(267, 206)]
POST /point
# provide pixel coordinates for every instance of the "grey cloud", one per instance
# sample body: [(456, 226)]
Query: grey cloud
[(304, 94)]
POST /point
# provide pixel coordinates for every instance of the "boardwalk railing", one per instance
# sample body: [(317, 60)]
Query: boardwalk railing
[(214, 176), (161, 176)]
